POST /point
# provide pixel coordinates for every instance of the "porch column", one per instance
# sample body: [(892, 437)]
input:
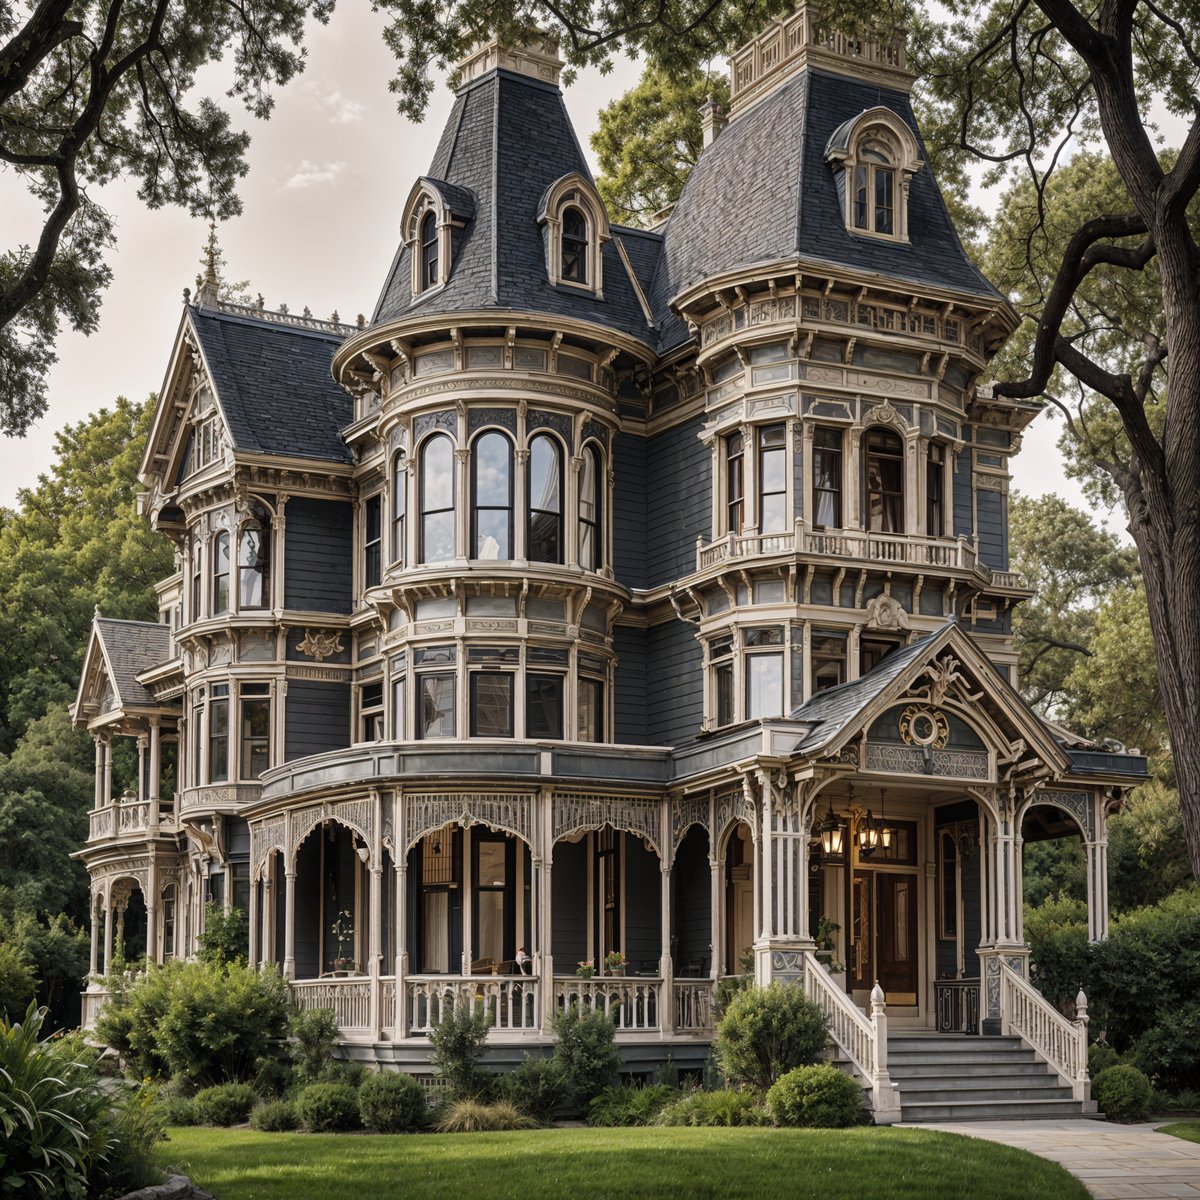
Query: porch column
[(374, 940), (666, 964), (94, 956), (765, 927), (400, 872), (1000, 864), (255, 915), (1096, 851), (716, 909), (107, 785), (468, 923), (143, 744), (543, 949), (289, 923), (99, 791), (152, 954), (108, 932), (155, 780), (784, 858)]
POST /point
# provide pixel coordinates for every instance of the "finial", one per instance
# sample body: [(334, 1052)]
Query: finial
[(260, 302), (187, 295), (360, 321), (334, 317), (307, 311), (96, 611), (283, 309), (209, 288)]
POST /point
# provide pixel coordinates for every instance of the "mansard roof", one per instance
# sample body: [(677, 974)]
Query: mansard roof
[(763, 192), (120, 651), (508, 139), (274, 385)]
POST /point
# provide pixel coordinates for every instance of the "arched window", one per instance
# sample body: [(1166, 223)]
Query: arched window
[(574, 246), (590, 508), (545, 532), (875, 187), (254, 562), (220, 574), (197, 578), (875, 155), (885, 481), (491, 492), (399, 509), (437, 499), (430, 276)]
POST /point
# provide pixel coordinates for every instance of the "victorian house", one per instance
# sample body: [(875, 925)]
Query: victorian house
[(613, 611)]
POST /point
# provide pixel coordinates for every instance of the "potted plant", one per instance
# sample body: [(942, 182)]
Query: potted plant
[(586, 969), (614, 963), (825, 944), (343, 932)]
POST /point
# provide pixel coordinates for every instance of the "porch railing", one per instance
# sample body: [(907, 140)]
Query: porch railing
[(350, 1000), (693, 1006), (632, 1003), (511, 1001), (863, 1040), (1026, 1012), (957, 1003)]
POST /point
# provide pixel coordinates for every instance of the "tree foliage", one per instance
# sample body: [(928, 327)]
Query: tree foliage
[(648, 140)]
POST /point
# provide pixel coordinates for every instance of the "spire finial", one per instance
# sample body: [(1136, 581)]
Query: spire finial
[(209, 287)]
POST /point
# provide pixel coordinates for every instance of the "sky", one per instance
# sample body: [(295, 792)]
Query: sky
[(329, 173)]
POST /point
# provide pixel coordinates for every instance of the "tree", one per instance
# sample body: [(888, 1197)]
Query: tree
[(648, 140), (1070, 563)]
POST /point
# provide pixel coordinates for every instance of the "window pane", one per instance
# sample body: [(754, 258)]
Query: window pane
[(399, 724), (489, 942), (435, 940), (491, 705), (220, 574), (429, 251), (372, 540), (491, 533), (493, 458), (543, 706), (589, 511), (437, 706), (724, 694), (591, 711), (764, 685), (437, 476), (252, 566), (545, 537), (256, 737), (491, 864), (218, 741), (574, 246), (774, 513), (883, 200), (438, 537), (860, 197), (545, 501)]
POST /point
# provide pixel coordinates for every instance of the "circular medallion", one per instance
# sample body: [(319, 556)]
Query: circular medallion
[(924, 727)]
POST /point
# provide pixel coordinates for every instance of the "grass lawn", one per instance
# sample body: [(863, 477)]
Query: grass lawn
[(1188, 1130), (652, 1164)]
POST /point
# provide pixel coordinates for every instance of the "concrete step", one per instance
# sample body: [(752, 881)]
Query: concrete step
[(966, 1066), (991, 1110), (1009, 1095), (911, 1058)]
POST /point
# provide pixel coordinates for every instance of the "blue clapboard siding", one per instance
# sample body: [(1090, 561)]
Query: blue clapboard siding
[(630, 699), (629, 510), (691, 910), (316, 718), (963, 519), (318, 569), (993, 530), (674, 684), (678, 501), (643, 906), (568, 886)]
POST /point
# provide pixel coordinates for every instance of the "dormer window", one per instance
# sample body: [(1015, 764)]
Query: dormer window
[(575, 227), (874, 156), (574, 246), (429, 252)]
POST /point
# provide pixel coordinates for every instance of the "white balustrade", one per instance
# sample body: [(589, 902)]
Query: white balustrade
[(101, 823), (631, 1002), (350, 1000), (694, 1006), (861, 1039), (119, 819), (1062, 1043), (387, 1004), (511, 1001)]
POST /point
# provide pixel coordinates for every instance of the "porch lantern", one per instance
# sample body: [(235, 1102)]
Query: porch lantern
[(832, 843), (885, 831), (868, 836)]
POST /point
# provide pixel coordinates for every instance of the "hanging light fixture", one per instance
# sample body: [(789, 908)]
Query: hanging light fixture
[(833, 846), (885, 832), (868, 836)]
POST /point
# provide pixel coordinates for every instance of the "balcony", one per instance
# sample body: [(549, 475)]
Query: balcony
[(127, 818), (218, 797)]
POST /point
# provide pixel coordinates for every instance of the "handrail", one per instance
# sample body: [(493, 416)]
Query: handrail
[(1026, 1012), (863, 1040)]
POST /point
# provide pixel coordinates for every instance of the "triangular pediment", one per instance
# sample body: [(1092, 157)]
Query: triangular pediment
[(938, 707), (118, 651)]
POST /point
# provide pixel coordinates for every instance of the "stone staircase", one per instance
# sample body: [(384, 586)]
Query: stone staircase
[(954, 1077)]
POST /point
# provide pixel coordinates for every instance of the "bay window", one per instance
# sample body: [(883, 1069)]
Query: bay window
[(827, 478), (254, 562), (735, 482), (935, 488), (256, 729), (437, 499), (772, 479), (373, 541), (543, 706), (590, 506), (492, 497), (545, 528), (218, 734), (370, 712), (885, 481), (764, 674), (220, 574)]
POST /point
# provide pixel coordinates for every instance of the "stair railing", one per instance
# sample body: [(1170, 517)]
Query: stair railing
[(1026, 1012), (861, 1039)]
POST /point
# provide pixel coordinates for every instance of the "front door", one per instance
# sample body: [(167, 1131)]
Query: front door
[(884, 934)]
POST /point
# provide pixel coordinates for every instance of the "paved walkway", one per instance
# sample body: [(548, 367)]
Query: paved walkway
[(1117, 1162)]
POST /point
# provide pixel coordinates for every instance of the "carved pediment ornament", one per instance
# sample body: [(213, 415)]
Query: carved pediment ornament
[(944, 676), (885, 612), (320, 645)]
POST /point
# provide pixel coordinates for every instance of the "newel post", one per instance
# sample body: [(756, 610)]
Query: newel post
[(1081, 1085), (884, 1097)]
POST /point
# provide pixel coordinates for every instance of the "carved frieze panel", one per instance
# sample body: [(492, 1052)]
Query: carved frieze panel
[(507, 812), (358, 815), (265, 838), (575, 812), (425, 423), (1078, 804), (917, 760), (686, 812), (595, 431), (506, 418), (732, 806), (559, 422)]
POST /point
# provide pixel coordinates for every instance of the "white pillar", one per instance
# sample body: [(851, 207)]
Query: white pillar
[(375, 941), (289, 924), (666, 965), (108, 795), (99, 790), (151, 898), (155, 773), (142, 746), (400, 1017), (94, 956), (543, 948), (254, 919), (468, 923), (108, 933), (717, 931)]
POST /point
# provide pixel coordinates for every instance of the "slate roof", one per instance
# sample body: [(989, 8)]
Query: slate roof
[(764, 192), (274, 385), (507, 140), (131, 647)]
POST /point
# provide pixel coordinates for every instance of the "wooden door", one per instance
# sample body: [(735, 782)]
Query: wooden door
[(896, 941), (862, 932)]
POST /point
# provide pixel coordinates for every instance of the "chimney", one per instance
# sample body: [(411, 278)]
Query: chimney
[(712, 120)]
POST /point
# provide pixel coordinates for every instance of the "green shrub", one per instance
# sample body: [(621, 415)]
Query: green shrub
[(275, 1116), (1101, 1056), (178, 1110), (328, 1107), (389, 1102), (226, 936), (585, 1053), (1122, 1092), (536, 1087), (67, 1134), (724, 1107), (470, 1116), (314, 1034), (17, 982), (766, 1032), (224, 1104), (205, 1023), (630, 1104), (273, 1077), (817, 1097), (726, 988), (456, 1046)]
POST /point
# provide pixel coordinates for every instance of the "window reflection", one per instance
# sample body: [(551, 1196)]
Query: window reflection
[(437, 499), (492, 483), (545, 500)]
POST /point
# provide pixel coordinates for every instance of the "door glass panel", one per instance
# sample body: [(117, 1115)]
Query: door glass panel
[(490, 940), (437, 932)]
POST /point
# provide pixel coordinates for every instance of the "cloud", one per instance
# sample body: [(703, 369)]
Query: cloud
[(311, 174), (340, 109)]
